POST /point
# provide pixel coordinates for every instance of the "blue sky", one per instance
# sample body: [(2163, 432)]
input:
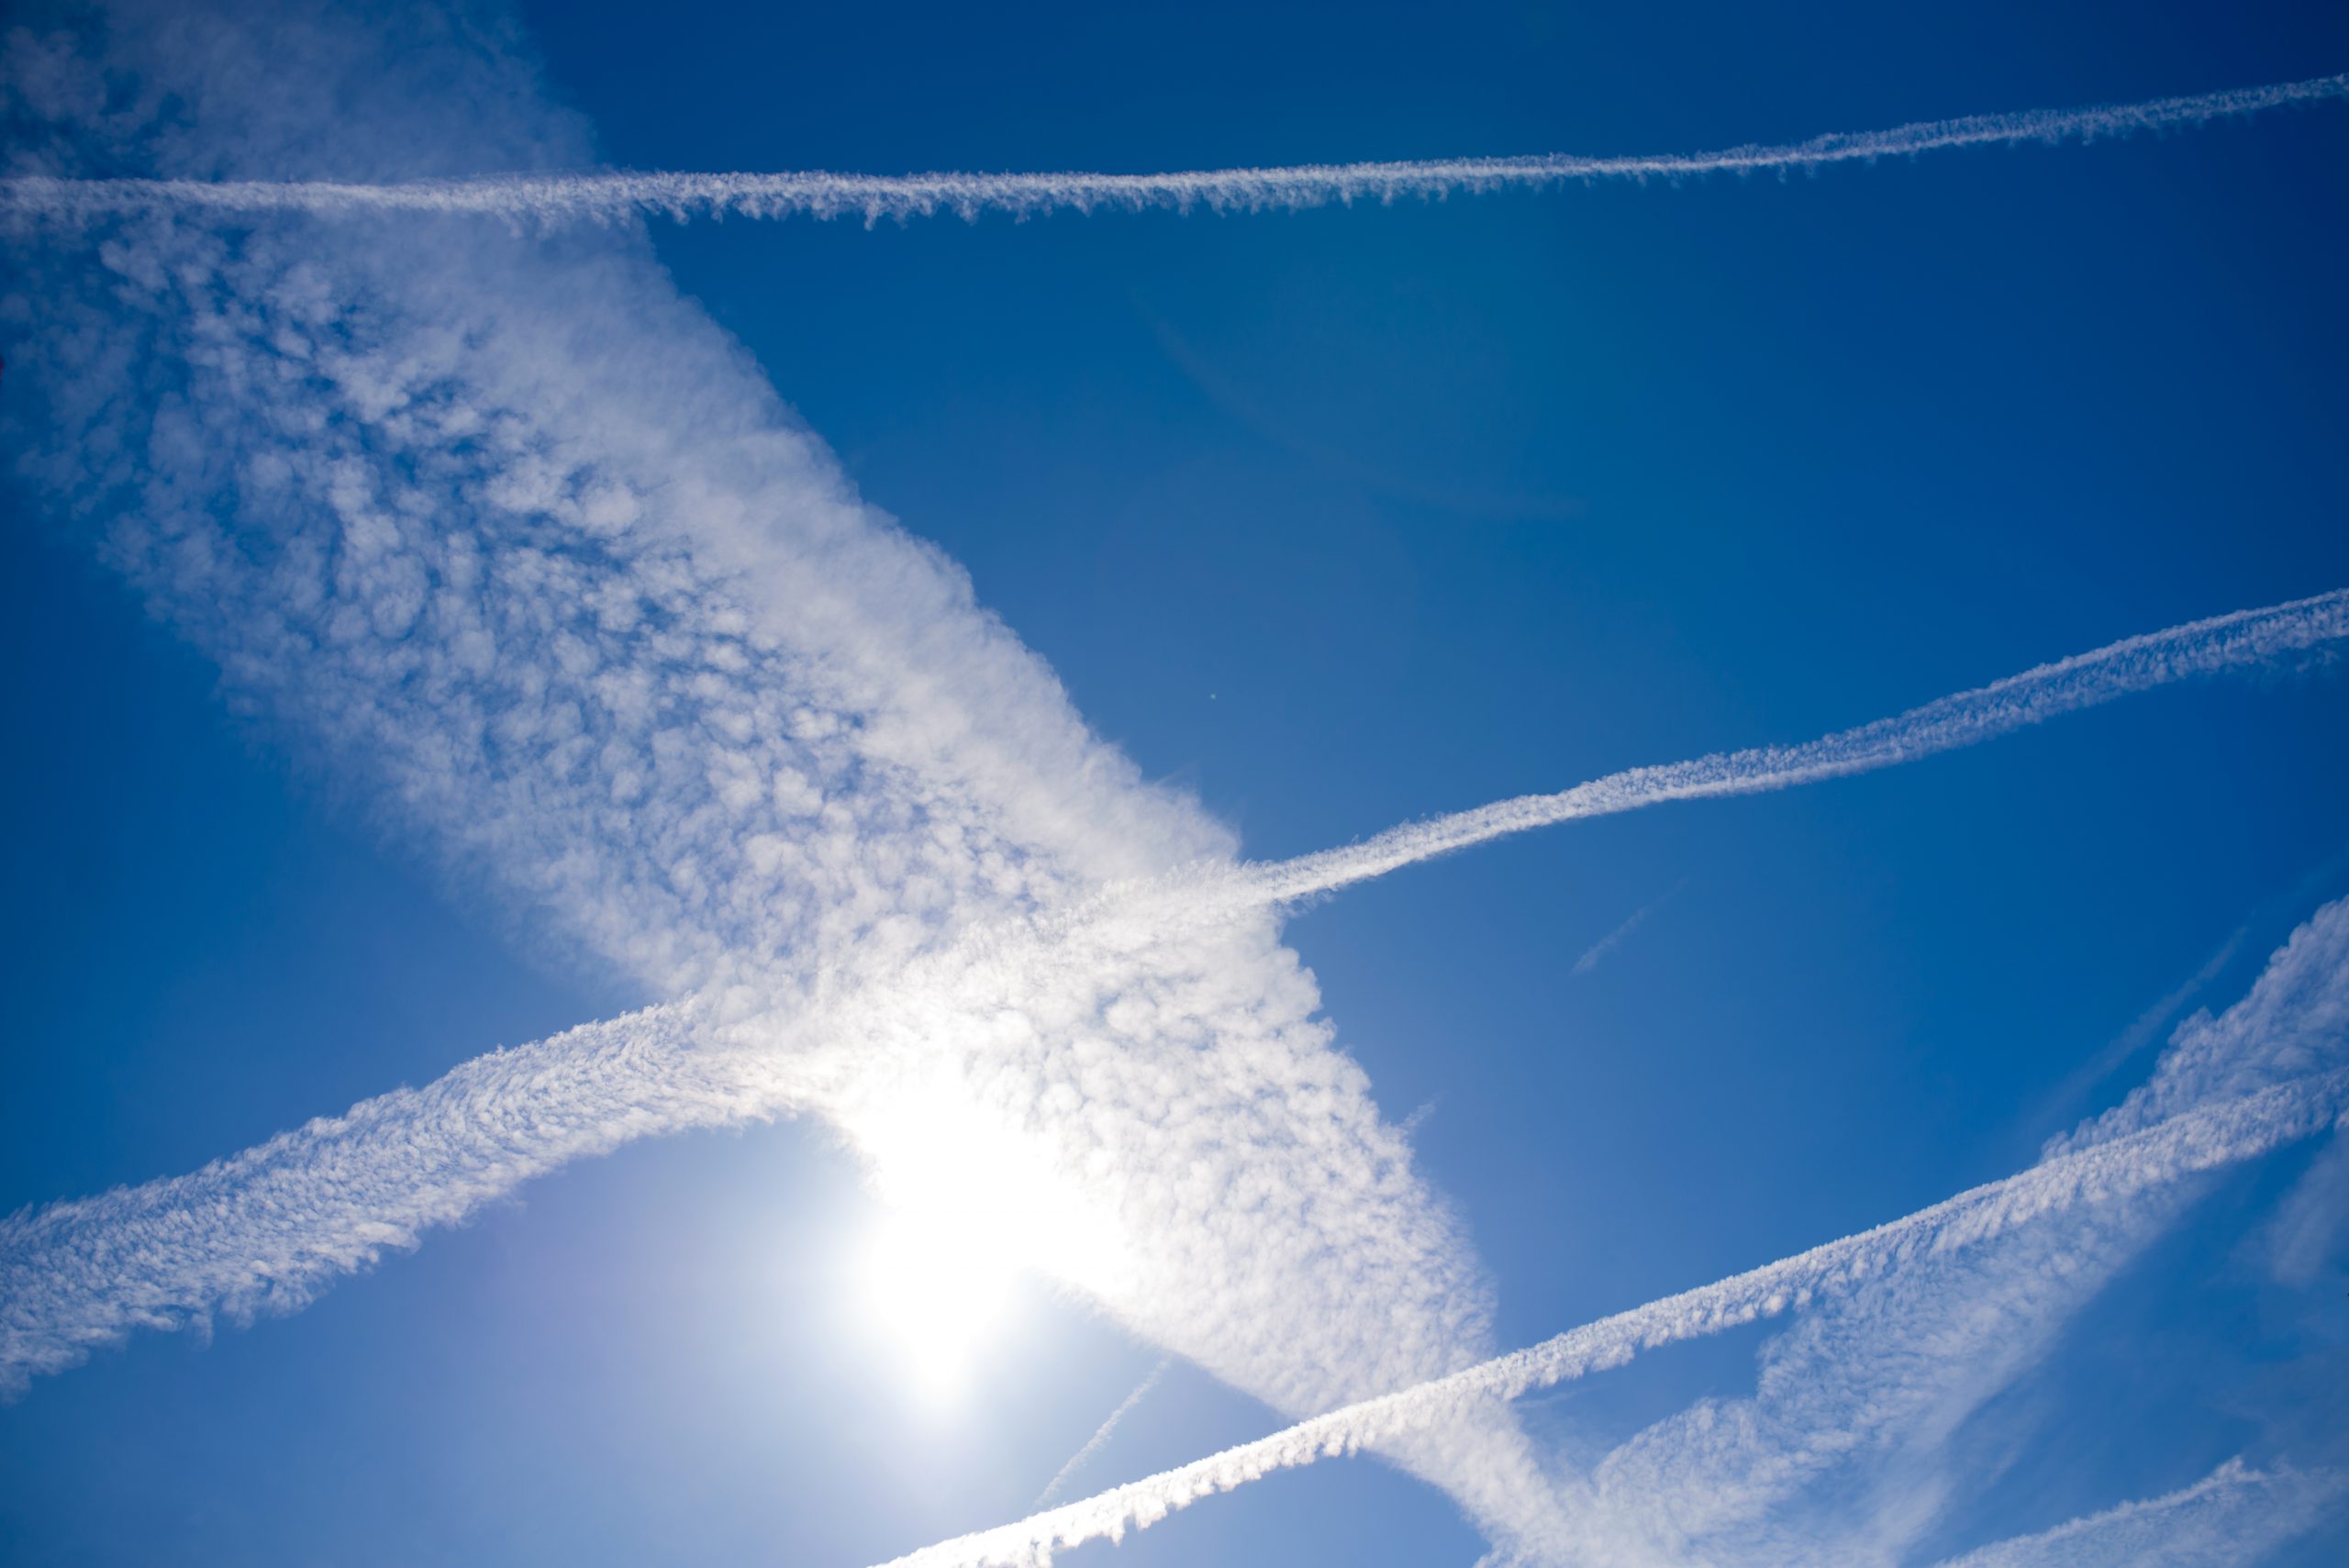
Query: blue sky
[(1331, 519)]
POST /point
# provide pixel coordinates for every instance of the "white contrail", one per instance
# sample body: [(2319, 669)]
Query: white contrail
[(555, 199), (1101, 1437), (1842, 1451), (2085, 680), (517, 540), (2233, 1514), (2198, 1141), (266, 1230)]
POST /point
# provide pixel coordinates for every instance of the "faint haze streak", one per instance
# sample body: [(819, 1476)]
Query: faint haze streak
[(2195, 1142), (1101, 1435), (1600, 951), (556, 198), (2235, 1514)]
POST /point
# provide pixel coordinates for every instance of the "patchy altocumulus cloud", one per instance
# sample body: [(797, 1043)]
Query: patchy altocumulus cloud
[(512, 543)]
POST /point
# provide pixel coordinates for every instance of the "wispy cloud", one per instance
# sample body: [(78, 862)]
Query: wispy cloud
[(2142, 1030), (553, 198), (2269, 1043), (2235, 1514), (2191, 1144), (517, 548), (1133, 959), (519, 551)]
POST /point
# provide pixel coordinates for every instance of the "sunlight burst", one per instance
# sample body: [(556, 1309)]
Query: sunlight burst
[(971, 1208)]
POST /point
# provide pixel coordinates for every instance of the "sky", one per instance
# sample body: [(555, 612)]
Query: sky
[(956, 1121)]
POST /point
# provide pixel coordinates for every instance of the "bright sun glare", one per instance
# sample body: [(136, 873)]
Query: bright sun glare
[(970, 1208)]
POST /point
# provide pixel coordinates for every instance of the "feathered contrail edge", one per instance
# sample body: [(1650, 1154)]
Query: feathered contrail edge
[(612, 197), (266, 1230), (1946, 724), (2197, 1141)]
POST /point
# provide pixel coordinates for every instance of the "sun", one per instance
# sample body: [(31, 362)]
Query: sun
[(974, 1210)]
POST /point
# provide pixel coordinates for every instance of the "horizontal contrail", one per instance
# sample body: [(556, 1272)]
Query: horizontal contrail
[(556, 198), (2198, 1141), (2085, 680)]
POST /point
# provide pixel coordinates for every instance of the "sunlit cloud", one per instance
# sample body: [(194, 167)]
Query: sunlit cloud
[(507, 542), (1953, 1298), (971, 1211)]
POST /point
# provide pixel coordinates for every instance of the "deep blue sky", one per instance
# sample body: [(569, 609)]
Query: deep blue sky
[(1339, 519)]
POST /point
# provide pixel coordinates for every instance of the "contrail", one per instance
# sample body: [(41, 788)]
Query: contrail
[(1598, 952), (2083, 681), (1101, 1437), (557, 198), (1796, 1469), (2233, 1514), (267, 1229), (2198, 1140), (670, 688)]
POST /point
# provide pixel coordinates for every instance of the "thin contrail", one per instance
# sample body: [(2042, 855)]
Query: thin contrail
[(2085, 680), (553, 199), (1101, 1437), (1598, 952), (2235, 1514), (2198, 1141)]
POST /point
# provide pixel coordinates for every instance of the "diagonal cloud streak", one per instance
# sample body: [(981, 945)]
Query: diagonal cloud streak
[(1604, 947), (1101, 1435), (1966, 718), (1861, 1435), (2232, 1089), (2233, 1514), (558, 198), (2196, 1141), (515, 545), (262, 1232)]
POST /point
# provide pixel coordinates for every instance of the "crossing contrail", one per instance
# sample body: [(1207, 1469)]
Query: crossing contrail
[(267, 1229), (610, 197), (2198, 1141)]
